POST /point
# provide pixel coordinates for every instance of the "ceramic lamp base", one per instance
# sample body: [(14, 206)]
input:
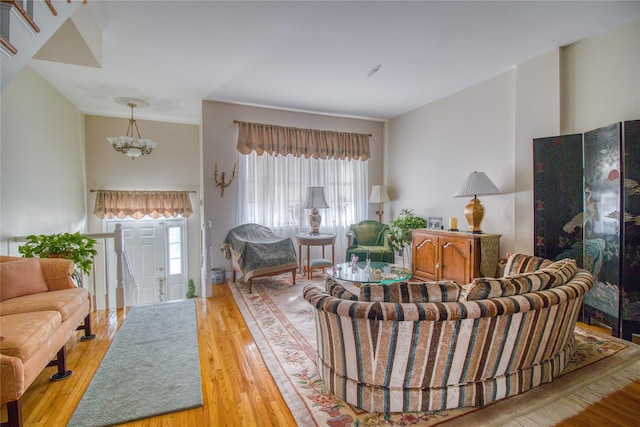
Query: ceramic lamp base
[(474, 212), (315, 219)]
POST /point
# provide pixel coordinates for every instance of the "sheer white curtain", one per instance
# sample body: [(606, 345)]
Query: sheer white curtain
[(272, 191)]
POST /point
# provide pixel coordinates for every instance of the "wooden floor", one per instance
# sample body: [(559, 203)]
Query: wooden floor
[(238, 390)]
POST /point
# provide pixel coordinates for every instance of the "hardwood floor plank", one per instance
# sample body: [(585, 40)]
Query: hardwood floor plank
[(237, 388)]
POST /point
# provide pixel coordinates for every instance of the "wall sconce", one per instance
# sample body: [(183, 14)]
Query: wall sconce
[(222, 184)]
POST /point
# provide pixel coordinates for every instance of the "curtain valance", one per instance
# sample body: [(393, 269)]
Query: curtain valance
[(317, 144), (136, 204)]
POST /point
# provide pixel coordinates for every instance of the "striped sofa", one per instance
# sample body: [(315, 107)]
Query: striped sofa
[(435, 346)]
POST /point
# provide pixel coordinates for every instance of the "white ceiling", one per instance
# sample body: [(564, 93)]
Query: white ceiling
[(314, 55)]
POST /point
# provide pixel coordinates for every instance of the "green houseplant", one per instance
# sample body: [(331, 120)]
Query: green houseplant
[(79, 249), (191, 289), (400, 229)]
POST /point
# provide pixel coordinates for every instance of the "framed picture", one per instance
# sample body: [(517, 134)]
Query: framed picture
[(435, 222)]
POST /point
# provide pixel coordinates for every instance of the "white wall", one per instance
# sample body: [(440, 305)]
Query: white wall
[(601, 79), (219, 138), (431, 149), (42, 183), (537, 115), (490, 127), (173, 165)]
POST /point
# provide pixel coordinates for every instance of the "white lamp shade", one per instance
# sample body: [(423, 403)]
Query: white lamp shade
[(134, 152), (119, 141), (476, 184), (147, 143), (315, 198), (379, 194)]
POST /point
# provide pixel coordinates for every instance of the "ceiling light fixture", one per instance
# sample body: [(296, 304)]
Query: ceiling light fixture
[(129, 145)]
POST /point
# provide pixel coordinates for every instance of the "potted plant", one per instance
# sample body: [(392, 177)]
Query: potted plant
[(400, 229), (191, 289), (73, 246)]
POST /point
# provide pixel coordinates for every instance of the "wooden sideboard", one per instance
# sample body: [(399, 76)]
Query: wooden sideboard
[(452, 255)]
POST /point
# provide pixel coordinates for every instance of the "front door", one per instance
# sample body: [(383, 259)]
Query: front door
[(155, 250)]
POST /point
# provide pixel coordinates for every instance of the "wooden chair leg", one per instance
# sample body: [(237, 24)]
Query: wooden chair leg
[(293, 274), (14, 412), (250, 284)]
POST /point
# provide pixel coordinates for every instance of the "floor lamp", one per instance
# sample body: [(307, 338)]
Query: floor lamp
[(379, 195)]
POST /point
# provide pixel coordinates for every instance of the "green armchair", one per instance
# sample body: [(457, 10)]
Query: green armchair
[(372, 236)]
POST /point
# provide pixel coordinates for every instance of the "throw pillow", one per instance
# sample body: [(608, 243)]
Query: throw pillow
[(519, 263), (489, 287), (562, 271), (415, 292), (19, 278)]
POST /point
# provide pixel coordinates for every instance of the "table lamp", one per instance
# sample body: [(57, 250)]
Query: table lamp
[(315, 199), (475, 184)]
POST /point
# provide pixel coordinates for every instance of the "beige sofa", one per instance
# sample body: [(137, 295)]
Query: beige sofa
[(434, 346), (40, 310)]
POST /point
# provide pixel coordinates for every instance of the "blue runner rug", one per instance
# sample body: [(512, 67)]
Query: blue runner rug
[(151, 368)]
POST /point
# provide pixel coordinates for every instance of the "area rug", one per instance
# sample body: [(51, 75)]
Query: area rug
[(283, 326), (151, 368)]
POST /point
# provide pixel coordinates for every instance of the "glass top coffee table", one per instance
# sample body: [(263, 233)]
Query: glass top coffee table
[(382, 273)]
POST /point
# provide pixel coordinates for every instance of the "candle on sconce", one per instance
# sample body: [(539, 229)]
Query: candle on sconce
[(453, 223)]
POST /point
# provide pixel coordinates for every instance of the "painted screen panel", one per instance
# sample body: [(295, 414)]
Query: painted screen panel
[(558, 197), (602, 184), (631, 236)]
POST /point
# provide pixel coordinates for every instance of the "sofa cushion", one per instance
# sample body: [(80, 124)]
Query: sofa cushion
[(24, 334), (415, 292), (21, 277), (489, 287), (519, 263), (562, 270), (57, 272), (67, 302)]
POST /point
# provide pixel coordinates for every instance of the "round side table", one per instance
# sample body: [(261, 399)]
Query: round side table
[(320, 239)]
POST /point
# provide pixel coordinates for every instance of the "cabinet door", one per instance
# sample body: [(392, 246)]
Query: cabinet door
[(455, 259), (425, 256)]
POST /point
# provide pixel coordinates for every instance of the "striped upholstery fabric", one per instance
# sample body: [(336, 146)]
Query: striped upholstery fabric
[(519, 263), (562, 271), (556, 274), (399, 357), (411, 292), (335, 289), (488, 287)]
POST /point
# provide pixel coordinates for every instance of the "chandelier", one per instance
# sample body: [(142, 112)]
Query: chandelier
[(132, 147)]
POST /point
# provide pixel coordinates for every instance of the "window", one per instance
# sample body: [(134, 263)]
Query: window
[(272, 192), (175, 250)]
